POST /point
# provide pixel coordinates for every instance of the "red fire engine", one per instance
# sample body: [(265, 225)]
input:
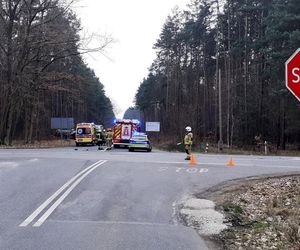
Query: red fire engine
[(123, 131)]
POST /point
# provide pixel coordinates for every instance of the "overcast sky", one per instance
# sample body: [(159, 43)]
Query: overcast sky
[(135, 25)]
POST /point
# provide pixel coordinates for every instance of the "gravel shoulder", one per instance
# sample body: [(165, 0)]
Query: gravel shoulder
[(259, 212)]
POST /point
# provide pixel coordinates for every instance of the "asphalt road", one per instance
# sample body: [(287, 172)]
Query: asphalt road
[(88, 199)]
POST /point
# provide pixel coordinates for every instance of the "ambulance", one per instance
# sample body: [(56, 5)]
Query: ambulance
[(85, 134), (123, 131)]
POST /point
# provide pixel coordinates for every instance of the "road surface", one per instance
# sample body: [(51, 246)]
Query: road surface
[(64, 198)]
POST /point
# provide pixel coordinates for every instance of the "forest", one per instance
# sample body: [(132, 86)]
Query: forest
[(220, 68), (42, 70)]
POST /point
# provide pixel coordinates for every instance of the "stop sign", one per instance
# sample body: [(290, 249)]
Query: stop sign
[(292, 74)]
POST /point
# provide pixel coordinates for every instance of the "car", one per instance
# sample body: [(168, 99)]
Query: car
[(65, 133), (139, 141)]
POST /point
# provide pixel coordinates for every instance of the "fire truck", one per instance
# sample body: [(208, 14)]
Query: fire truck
[(85, 134), (124, 130)]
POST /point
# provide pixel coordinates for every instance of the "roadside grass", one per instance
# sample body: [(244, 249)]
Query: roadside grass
[(266, 216), (40, 144), (168, 145), (230, 207), (212, 148), (291, 227), (259, 226), (290, 216)]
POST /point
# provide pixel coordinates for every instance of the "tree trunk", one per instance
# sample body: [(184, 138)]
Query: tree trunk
[(8, 139)]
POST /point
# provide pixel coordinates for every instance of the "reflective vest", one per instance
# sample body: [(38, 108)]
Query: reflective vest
[(188, 138), (109, 135)]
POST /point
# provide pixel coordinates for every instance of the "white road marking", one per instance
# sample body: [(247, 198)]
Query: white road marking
[(169, 162), (178, 170), (203, 170), (34, 160), (191, 170), (161, 169), (31, 217), (65, 194), (9, 164), (197, 164), (224, 164)]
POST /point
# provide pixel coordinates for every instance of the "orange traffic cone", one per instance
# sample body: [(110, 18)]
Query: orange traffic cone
[(230, 163), (192, 160)]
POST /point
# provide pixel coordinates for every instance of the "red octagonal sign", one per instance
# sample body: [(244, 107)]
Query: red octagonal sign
[(292, 74)]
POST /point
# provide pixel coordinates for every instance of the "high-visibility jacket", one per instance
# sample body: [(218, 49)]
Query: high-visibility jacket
[(188, 138), (109, 135)]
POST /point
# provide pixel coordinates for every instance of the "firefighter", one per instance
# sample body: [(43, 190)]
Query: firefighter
[(103, 137), (100, 140), (188, 141), (109, 137)]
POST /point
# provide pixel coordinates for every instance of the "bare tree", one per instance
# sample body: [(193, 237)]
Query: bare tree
[(39, 43)]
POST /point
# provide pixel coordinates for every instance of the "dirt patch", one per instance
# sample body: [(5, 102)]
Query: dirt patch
[(262, 213)]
